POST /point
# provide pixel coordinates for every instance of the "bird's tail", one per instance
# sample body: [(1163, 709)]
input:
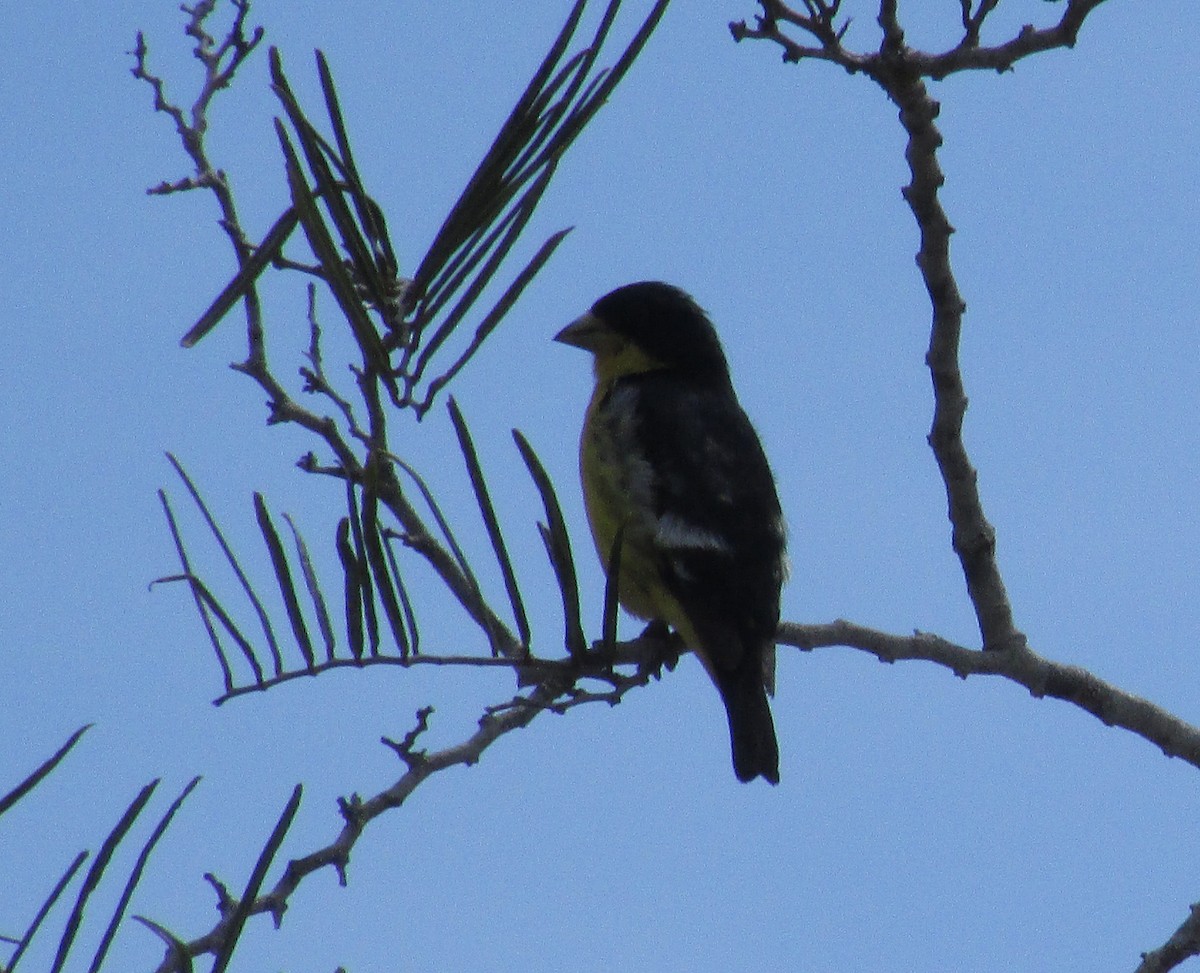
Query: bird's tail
[(751, 729)]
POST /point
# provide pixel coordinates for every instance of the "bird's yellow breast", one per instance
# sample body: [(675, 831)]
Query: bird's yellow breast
[(604, 476), (618, 492), (615, 477)]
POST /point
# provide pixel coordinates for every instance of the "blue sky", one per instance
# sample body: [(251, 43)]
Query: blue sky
[(922, 822)]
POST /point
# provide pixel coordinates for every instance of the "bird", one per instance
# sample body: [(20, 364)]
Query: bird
[(670, 463)]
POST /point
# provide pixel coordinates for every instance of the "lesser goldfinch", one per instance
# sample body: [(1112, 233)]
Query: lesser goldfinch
[(668, 454)]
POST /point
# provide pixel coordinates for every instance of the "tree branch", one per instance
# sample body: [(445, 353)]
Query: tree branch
[(900, 71), (1042, 677), (1183, 944), (821, 25), (969, 56), (557, 689), (972, 537), (497, 721)]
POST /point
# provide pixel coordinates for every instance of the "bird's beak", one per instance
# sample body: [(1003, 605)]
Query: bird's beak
[(587, 332)]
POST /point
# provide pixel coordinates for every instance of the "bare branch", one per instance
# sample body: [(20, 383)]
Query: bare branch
[(972, 537), (406, 748), (1183, 944), (973, 22), (557, 690), (820, 24), (1042, 677), (893, 35), (969, 56), (357, 814), (821, 27), (221, 61), (899, 71)]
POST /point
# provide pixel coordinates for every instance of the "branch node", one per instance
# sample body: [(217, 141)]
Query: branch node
[(351, 810), (226, 903), (405, 749), (277, 906)]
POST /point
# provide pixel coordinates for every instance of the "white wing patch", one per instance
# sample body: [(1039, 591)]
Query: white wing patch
[(675, 533)]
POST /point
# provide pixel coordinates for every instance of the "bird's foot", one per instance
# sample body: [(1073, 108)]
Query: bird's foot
[(666, 648)]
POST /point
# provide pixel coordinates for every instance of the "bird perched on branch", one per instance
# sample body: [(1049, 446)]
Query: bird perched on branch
[(669, 460)]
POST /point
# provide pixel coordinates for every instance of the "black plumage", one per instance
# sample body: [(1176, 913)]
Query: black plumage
[(668, 453)]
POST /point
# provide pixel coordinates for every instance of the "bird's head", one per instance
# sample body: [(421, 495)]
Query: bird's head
[(649, 326)]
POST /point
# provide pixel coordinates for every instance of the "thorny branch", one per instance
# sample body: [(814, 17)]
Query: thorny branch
[(901, 72), (559, 681), (973, 539)]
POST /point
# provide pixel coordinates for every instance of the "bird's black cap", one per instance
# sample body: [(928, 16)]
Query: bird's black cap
[(668, 325)]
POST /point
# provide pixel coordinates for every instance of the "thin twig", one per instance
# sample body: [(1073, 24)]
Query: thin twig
[(357, 814), (821, 26)]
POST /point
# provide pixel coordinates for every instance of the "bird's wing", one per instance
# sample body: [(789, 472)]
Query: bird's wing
[(718, 528)]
